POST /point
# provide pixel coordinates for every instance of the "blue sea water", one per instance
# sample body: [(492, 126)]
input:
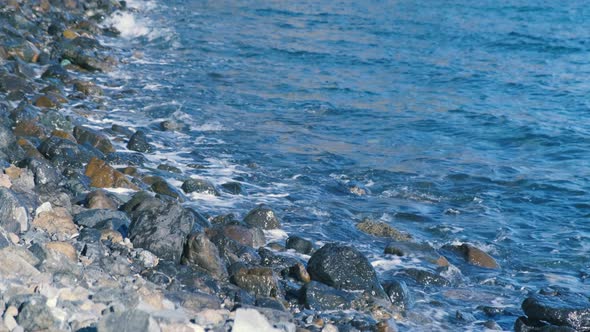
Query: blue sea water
[(454, 121)]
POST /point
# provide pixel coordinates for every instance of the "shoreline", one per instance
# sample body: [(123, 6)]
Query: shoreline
[(78, 255)]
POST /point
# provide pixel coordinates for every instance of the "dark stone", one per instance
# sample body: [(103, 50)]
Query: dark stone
[(299, 244), (276, 262), (118, 129), (381, 229), (199, 186), (233, 252), (194, 300), (169, 168), (259, 281), (139, 142), (473, 255), (56, 72), (93, 138), (200, 251), (9, 83), (126, 158), (399, 294), (426, 278), (234, 188), (164, 188), (262, 217), (317, 296), (563, 308), (344, 267), (88, 54), (523, 324), (64, 153), (271, 303), (162, 229)]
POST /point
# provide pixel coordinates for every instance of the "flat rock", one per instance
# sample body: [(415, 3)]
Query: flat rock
[(382, 229), (344, 267)]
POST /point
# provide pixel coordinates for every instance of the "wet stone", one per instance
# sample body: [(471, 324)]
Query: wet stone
[(426, 278), (35, 315), (104, 176), (234, 188), (299, 244), (93, 138), (139, 142), (260, 281), (399, 294), (563, 308), (382, 229), (199, 186), (344, 267), (130, 320), (162, 187), (263, 217), (56, 72), (317, 296), (201, 252)]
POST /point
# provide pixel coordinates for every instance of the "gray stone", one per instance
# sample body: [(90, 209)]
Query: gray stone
[(130, 320), (201, 252), (299, 244), (259, 281), (87, 136), (35, 315), (317, 296), (139, 142), (561, 308), (199, 186), (14, 216)]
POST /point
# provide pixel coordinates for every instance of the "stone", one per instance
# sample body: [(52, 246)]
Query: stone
[(247, 320), (104, 176), (63, 248), (98, 199), (129, 320), (199, 186), (87, 53), (561, 308), (56, 72), (147, 259), (234, 188), (478, 257), (317, 296), (344, 267), (56, 222), (299, 272), (103, 219), (399, 294), (421, 250), (42, 172), (18, 263), (139, 142), (169, 168), (13, 212), (259, 281), (262, 217), (200, 251), (126, 158), (381, 229), (111, 235), (29, 128), (162, 230), (240, 234), (5, 181), (46, 101), (34, 316), (426, 277), (299, 244), (85, 135), (64, 153), (162, 187), (64, 135)]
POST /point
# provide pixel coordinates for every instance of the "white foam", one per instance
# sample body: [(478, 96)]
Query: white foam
[(275, 235), (209, 126), (127, 25)]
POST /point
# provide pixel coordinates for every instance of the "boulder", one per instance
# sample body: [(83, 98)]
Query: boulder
[(299, 244), (199, 186), (259, 281), (91, 137), (104, 176), (200, 251), (139, 142), (561, 308), (262, 217), (234, 188), (317, 296), (344, 267), (163, 229)]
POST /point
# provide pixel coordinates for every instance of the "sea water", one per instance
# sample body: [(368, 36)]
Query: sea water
[(454, 121)]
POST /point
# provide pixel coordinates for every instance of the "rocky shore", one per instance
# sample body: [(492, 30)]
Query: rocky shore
[(76, 255)]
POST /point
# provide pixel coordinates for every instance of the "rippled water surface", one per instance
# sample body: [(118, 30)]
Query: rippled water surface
[(460, 121)]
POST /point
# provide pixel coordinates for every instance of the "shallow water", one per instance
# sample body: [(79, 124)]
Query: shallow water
[(461, 122)]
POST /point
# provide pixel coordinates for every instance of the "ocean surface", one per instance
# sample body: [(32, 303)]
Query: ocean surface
[(454, 121)]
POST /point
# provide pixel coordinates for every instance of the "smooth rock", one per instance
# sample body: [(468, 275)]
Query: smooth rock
[(234, 188), (562, 308), (162, 187), (85, 135), (104, 176), (201, 252), (344, 267), (399, 294), (130, 320), (262, 217), (299, 244), (199, 186)]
